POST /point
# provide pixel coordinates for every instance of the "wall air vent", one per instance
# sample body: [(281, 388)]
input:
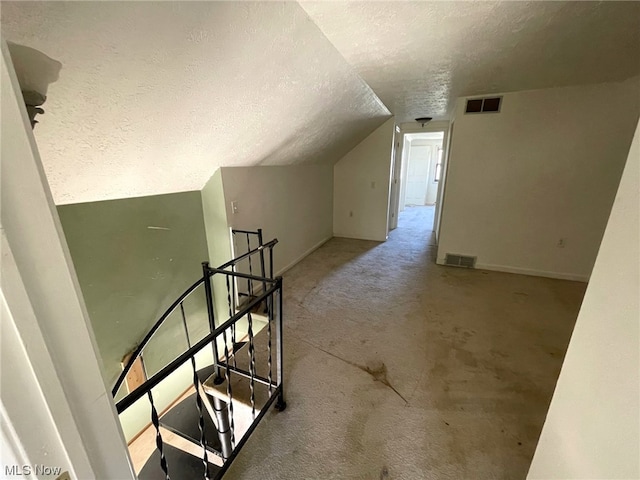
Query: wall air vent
[(484, 105), (455, 260)]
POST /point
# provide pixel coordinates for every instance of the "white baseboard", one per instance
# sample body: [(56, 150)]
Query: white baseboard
[(306, 253), (527, 271), (532, 272)]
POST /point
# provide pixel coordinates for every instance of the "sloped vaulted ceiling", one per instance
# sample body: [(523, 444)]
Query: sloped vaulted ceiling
[(420, 56), (154, 96)]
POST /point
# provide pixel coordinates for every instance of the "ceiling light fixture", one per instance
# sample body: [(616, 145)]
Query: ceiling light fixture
[(423, 120)]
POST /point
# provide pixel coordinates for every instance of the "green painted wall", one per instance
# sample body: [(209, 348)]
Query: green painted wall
[(133, 258)]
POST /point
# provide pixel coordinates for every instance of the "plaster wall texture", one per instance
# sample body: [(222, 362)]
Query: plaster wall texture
[(291, 203), (153, 97), (420, 56), (592, 429), (361, 182), (545, 168)]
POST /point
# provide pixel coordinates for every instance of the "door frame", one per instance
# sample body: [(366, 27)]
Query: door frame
[(446, 153), (48, 315), (394, 192), (443, 126)]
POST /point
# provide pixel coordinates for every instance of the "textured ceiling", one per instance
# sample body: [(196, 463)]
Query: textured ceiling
[(154, 96), (419, 56)]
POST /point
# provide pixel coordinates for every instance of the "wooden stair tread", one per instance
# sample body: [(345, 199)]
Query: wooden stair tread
[(181, 466), (183, 420)]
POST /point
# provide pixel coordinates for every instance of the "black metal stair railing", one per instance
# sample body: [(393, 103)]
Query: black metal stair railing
[(244, 241), (216, 383)]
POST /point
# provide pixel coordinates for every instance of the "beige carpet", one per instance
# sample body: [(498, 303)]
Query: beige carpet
[(402, 369)]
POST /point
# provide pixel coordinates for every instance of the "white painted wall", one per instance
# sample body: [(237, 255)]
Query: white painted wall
[(292, 204), (545, 168), (592, 428), (361, 187), (56, 320)]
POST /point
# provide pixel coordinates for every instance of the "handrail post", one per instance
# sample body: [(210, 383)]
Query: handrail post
[(212, 318), (262, 268), (262, 271), (271, 261), (270, 299), (281, 404)]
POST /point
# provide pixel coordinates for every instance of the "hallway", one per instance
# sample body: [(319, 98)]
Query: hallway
[(403, 369)]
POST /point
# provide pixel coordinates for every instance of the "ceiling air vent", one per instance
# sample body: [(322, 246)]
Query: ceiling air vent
[(484, 105), (455, 260)]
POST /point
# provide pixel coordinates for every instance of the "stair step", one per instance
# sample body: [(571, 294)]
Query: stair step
[(238, 346), (181, 465), (241, 390), (241, 385), (205, 373), (183, 420)]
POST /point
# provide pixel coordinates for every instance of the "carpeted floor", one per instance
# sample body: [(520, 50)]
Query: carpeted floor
[(399, 368)]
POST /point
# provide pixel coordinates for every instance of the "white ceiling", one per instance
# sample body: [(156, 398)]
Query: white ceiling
[(420, 56), (153, 97), (411, 137)]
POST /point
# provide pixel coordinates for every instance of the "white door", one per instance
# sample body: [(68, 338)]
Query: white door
[(418, 174)]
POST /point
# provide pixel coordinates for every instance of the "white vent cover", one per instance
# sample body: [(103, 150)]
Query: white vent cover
[(456, 260)]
